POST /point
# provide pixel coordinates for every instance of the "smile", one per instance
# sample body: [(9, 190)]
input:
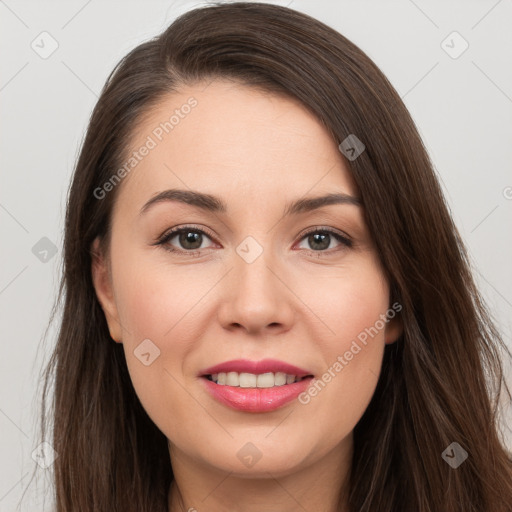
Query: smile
[(255, 386), (251, 380)]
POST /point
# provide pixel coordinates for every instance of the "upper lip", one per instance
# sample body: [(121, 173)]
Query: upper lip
[(256, 367)]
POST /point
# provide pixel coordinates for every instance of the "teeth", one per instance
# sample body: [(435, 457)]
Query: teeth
[(232, 379), (279, 378), (244, 380), (250, 380), (267, 380)]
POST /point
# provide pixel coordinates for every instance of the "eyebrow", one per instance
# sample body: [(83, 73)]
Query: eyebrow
[(210, 203)]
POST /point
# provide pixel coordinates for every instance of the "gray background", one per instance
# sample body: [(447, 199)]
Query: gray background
[(462, 106)]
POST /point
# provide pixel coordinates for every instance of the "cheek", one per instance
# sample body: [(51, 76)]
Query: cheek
[(349, 303), (171, 307), (155, 301), (353, 353)]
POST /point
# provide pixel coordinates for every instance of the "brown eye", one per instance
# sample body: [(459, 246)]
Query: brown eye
[(319, 240), (189, 240)]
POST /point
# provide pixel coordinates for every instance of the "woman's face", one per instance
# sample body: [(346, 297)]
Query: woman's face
[(254, 280)]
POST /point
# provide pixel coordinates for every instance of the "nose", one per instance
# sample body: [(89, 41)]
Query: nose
[(256, 296)]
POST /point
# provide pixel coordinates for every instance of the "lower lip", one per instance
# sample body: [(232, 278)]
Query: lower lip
[(256, 399)]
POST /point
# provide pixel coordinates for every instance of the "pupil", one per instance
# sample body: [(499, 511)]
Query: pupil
[(324, 239), (190, 237)]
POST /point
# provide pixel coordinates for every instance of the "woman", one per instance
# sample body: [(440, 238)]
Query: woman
[(321, 344)]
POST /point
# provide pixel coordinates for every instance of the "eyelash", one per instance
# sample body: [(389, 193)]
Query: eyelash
[(166, 237)]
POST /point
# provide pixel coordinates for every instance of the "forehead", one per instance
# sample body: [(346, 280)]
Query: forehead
[(235, 142)]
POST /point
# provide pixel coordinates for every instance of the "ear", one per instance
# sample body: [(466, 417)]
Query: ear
[(102, 281), (394, 329)]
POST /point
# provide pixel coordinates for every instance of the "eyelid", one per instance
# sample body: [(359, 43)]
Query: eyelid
[(170, 233), (192, 227), (347, 240)]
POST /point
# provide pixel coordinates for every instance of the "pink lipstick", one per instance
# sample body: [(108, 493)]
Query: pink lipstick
[(255, 386)]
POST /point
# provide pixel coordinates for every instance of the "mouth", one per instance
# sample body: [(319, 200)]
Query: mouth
[(252, 380), (255, 386), (246, 373)]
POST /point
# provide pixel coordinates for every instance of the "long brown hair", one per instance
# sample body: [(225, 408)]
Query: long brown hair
[(441, 380)]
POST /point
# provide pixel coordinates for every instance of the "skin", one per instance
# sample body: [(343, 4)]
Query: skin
[(256, 151)]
